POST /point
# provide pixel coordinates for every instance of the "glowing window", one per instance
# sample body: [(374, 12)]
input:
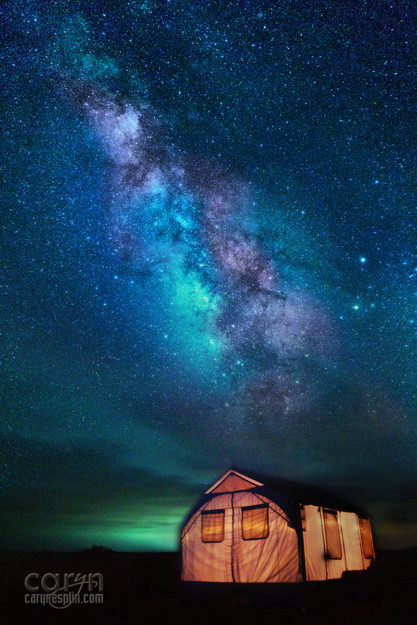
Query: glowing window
[(255, 522), (212, 526), (366, 536), (331, 526)]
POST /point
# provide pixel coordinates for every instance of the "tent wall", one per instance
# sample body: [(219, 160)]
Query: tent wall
[(319, 566), (271, 559)]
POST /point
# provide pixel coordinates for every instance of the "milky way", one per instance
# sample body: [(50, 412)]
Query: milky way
[(165, 209)]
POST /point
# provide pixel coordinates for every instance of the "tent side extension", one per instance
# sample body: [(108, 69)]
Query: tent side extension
[(248, 529)]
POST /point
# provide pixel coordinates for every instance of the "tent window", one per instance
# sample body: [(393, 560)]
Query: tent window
[(212, 526), (255, 522), (366, 536), (331, 526)]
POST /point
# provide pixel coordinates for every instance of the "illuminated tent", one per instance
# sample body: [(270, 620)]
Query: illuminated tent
[(256, 529)]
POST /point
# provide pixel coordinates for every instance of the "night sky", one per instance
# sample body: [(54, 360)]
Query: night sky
[(208, 258)]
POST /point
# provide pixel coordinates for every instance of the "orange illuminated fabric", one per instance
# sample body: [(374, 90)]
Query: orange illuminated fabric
[(366, 536), (242, 536), (212, 526), (233, 483), (255, 522), (236, 560), (334, 547)]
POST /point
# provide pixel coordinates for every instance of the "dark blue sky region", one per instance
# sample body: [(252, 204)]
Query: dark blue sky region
[(208, 258)]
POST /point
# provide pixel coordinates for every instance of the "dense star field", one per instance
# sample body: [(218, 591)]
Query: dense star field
[(208, 259)]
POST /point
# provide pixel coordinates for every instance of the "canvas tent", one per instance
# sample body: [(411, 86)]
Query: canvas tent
[(247, 528)]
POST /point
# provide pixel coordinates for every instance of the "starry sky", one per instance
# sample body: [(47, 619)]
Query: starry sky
[(208, 258)]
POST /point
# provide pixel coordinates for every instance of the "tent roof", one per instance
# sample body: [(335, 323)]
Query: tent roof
[(300, 493), (283, 492)]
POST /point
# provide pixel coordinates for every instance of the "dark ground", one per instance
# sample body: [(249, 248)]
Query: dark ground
[(144, 588)]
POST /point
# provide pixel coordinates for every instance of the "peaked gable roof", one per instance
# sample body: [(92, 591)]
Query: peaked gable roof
[(232, 481)]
